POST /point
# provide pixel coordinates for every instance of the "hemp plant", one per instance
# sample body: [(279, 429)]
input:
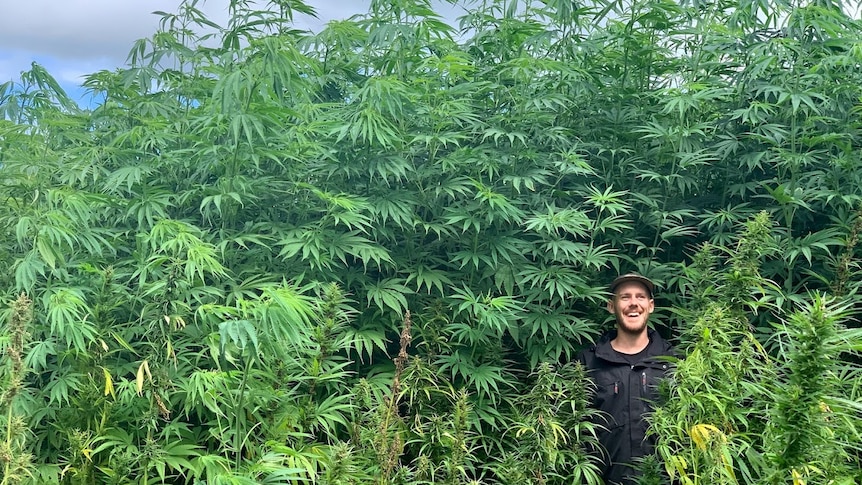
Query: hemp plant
[(715, 400), (813, 430), (378, 428), (554, 430), (742, 410), (15, 459)]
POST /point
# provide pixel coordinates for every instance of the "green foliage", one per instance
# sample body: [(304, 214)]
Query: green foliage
[(220, 252), (736, 412), (553, 429), (811, 433), (15, 457)]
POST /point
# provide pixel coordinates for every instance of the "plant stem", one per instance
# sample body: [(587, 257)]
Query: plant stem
[(237, 437)]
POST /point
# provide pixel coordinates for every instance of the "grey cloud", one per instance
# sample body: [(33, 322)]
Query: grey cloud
[(81, 29), (78, 29), (79, 34)]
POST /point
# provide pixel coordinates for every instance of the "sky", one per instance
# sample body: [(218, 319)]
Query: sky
[(73, 38)]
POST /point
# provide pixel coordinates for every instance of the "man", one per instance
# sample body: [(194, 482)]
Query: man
[(626, 365)]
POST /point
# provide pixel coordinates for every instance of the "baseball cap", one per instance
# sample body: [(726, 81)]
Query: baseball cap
[(625, 278)]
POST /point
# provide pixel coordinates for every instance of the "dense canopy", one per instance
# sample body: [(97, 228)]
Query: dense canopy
[(370, 254)]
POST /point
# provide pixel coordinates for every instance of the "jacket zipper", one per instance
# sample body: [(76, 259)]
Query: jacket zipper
[(643, 381)]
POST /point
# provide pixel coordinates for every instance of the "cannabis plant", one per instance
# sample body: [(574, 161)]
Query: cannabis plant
[(16, 458), (221, 249), (813, 430), (553, 430), (744, 411)]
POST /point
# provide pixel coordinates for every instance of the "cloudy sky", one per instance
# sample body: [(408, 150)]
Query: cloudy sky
[(72, 38)]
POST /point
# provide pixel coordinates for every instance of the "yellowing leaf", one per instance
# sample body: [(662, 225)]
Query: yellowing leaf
[(701, 434), (797, 477), (109, 383), (139, 379), (144, 368), (676, 465)]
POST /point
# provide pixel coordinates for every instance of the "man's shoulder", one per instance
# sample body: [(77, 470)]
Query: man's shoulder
[(600, 354), (587, 356)]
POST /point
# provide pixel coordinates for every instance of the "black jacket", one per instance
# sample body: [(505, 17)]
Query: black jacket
[(624, 393)]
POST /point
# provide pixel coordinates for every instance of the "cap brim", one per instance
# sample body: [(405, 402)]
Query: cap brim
[(636, 278)]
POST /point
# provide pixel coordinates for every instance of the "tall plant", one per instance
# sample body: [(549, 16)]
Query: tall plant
[(715, 404), (220, 252), (813, 428), (739, 411), (16, 457)]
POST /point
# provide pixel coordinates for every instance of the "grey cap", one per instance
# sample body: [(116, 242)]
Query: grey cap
[(633, 277)]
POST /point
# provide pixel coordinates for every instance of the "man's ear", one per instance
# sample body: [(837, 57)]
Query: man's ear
[(610, 306)]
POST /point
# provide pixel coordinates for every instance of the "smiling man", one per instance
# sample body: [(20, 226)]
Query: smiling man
[(626, 365)]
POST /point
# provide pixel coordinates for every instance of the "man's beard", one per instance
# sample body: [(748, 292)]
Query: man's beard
[(624, 327)]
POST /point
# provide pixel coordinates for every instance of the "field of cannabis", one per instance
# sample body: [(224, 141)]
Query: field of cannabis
[(370, 254)]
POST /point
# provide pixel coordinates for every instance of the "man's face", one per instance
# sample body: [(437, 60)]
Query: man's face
[(632, 305)]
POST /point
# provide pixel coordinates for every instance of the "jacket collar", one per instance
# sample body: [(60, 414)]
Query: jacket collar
[(658, 346)]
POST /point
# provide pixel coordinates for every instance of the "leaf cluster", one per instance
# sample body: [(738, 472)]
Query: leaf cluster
[(220, 248)]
